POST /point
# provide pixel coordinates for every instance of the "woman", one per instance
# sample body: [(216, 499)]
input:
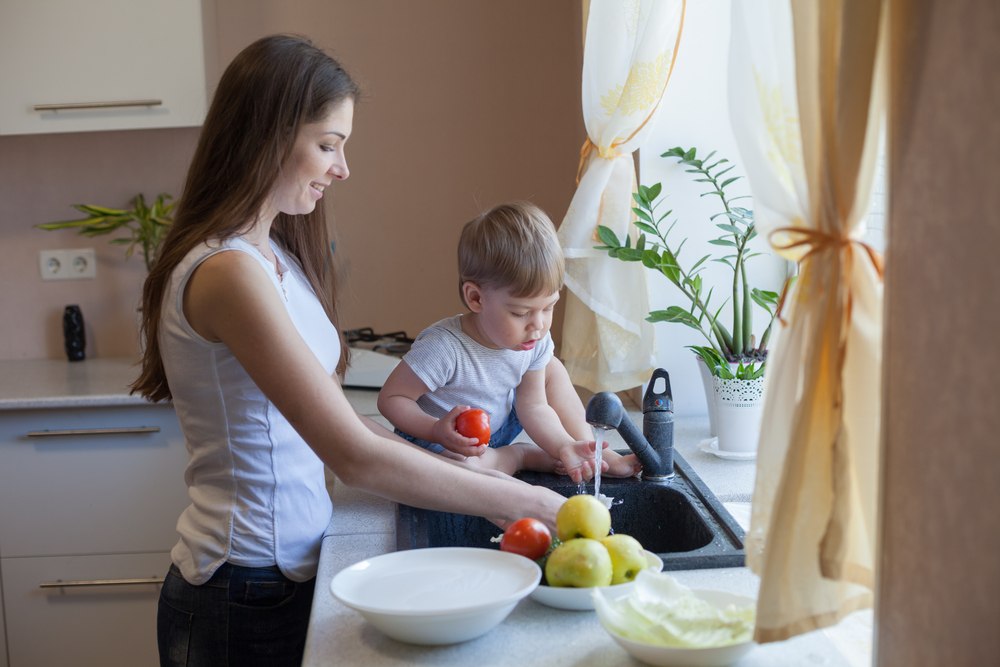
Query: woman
[(240, 332)]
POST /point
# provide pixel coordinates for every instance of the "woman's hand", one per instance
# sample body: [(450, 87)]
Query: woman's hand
[(548, 504)]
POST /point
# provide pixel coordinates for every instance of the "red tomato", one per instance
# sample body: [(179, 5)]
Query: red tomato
[(474, 423), (527, 537)]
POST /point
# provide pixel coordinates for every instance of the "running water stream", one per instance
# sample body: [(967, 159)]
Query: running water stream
[(598, 454), (598, 445)]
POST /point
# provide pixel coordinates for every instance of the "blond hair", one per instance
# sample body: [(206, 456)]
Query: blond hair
[(512, 246)]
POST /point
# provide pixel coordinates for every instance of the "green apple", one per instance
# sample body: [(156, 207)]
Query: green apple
[(580, 562), (583, 516), (628, 558)]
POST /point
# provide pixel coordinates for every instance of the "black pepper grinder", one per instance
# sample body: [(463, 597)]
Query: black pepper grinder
[(73, 334)]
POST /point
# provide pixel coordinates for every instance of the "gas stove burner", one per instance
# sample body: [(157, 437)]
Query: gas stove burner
[(393, 342)]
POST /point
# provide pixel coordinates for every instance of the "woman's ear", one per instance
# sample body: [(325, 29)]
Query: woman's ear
[(472, 294)]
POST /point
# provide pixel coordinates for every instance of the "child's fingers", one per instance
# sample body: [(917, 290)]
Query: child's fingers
[(470, 450)]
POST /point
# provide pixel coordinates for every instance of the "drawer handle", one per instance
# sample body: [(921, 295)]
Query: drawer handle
[(114, 430), (81, 583), (70, 106)]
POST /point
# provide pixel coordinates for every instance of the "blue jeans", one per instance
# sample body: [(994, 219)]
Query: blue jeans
[(510, 430), (242, 616)]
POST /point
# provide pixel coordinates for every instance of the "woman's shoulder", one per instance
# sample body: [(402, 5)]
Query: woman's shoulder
[(225, 263)]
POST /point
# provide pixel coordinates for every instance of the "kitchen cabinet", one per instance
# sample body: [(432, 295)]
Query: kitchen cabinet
[(68, 66), (89, 500)]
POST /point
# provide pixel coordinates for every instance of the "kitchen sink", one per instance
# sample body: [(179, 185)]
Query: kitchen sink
[(680, 520)]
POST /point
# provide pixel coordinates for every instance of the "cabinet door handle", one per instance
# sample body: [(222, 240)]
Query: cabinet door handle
[(70, 106), (113, 430), (80, 583)]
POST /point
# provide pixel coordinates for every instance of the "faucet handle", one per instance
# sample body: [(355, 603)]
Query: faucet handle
[(662, 401)]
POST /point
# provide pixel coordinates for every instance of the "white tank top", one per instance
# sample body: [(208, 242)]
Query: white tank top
[(258, 493)]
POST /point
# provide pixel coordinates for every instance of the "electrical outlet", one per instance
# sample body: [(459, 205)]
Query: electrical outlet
[(74, 264)]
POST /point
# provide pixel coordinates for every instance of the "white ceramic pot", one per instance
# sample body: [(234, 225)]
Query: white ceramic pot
[(706, 382), (738, 408), (707, 385)]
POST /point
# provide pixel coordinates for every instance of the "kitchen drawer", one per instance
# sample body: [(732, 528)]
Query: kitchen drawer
[(90, 481), (92, 623)]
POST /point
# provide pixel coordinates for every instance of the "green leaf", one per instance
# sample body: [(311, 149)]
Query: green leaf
[(694, 267), (654, 191), (649, 229), (674, 314), (732, 229), (608, 236), (629, 254), (642, 215), (99, 210), (730, 180), (765, 299), (723, 242)]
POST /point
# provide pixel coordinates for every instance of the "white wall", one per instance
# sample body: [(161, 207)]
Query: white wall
[(695, 113)]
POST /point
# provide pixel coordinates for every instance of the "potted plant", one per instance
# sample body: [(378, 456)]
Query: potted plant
[(732, 353), (146, 224)]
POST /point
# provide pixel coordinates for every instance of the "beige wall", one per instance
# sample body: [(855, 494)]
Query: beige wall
[(467, 103), (939, 592)]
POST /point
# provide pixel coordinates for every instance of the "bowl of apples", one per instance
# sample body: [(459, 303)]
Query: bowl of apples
[(585, 554)]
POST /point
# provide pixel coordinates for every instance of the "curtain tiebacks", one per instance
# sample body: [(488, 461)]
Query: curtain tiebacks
[(588, 147), (817, 241)]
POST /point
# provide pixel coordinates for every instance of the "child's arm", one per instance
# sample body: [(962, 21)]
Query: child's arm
[(562, 396), (543, 425), (397, 402)]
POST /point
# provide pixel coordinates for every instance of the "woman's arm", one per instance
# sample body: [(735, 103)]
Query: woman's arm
[(231, 300)]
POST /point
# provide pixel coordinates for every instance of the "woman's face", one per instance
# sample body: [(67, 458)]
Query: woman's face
[(317, 159)]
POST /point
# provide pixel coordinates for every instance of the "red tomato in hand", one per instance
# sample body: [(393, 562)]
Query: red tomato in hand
[(474, 423), (527, 537)]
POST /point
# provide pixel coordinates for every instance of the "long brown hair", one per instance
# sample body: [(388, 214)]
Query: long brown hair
[(266, 94)]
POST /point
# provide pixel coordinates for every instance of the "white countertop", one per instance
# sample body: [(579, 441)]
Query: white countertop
[(57, 383), (363, 527)]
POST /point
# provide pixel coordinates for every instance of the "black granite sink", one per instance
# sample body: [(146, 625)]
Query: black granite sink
[(681, 521)]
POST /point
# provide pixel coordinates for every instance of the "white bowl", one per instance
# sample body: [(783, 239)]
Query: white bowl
[(668, 656), (436, 596), (579, 599)]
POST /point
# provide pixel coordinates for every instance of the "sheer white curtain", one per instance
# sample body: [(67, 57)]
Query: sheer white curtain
[(629, 53), (806, 95)]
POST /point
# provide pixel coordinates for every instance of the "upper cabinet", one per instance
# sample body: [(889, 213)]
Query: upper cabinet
[(70, 66)]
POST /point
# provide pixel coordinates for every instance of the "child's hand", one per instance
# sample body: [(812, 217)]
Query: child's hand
[(614, 464), (445, 433), (577, 459)]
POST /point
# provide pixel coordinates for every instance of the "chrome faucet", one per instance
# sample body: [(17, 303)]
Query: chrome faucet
[(654, 447)]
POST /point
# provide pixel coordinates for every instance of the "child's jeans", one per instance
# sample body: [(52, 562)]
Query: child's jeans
[(242, 616), (510, 430)]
